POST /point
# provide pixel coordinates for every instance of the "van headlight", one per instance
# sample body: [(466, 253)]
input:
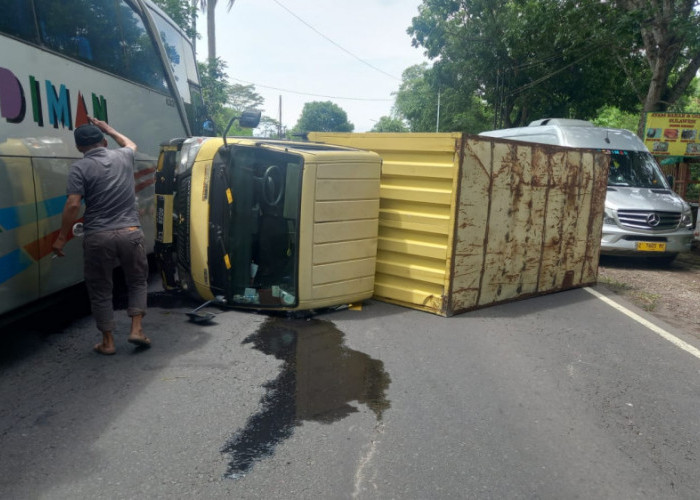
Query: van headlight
[(188, 153), (687, 219), (609, 217)]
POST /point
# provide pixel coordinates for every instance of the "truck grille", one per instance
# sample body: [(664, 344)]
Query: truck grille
[(183, 225), (649, 220)]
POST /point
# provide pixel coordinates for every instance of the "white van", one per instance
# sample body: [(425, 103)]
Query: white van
[(643, 216)]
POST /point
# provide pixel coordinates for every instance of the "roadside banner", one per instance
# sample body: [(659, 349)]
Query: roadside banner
[(673, 134)]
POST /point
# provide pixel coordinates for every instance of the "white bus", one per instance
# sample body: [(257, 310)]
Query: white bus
[(122, 61)]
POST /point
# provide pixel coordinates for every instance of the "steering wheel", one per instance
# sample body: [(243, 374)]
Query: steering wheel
[(272, 185)]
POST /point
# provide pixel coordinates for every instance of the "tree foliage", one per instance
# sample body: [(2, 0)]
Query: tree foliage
[(325, 116), (528, 59), (429, 106), (389, 124), (222, 100)]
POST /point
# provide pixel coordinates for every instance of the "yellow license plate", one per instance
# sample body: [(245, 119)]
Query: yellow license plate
[(651, 246)]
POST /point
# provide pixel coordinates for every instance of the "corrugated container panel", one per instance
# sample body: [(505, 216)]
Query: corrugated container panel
[(415, 213), (466, 222)]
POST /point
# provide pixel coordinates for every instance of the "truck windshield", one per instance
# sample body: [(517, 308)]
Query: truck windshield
[(262, 235), (635, 169)]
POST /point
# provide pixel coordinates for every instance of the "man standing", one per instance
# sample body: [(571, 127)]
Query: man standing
[(104, 178)]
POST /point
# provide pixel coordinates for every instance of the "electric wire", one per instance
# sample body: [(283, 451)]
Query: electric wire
[(311, 94), (334, 42)]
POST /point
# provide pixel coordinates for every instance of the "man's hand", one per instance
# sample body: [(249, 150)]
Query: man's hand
[(58, 246), (118, 137)]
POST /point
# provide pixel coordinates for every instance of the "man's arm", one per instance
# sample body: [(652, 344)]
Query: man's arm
[(118, 137), (70, 212)]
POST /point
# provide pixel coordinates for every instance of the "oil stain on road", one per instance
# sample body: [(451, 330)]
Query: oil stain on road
[(320, 380)]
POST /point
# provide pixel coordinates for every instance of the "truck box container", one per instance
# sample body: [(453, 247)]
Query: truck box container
[(467, 221)]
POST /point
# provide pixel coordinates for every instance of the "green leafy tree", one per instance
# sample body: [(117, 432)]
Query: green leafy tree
[(213, 78), (417, 99), (222, 100), (322, 117), (612, 117), (529, 59), (668, 40), (389, 124), (526, 59), (420, 94)]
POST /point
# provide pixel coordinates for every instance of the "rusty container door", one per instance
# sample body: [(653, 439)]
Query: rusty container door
[(529, 221)]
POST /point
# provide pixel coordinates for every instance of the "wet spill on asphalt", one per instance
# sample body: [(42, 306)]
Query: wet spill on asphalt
[(320, 380)]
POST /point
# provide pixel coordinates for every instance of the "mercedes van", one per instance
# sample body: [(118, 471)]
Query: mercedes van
[(643, 216)]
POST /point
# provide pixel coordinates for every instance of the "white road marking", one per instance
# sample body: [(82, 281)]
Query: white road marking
[(651, 326), (366, 460)]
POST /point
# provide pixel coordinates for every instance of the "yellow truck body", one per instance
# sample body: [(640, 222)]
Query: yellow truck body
[(268, 224), (468, 221)]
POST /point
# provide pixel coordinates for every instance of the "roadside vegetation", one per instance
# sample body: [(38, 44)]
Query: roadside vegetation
[(504, 63)]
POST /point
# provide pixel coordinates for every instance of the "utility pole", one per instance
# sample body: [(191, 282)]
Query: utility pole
[(437, 122), (279, 124)]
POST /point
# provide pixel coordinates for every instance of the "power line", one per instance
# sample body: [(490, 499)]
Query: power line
[(310, 94), (337, 44)]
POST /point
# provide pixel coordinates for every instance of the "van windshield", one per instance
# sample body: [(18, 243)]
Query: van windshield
[(635, 169)]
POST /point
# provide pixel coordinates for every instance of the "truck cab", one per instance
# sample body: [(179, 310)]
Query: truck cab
[(267, 224)]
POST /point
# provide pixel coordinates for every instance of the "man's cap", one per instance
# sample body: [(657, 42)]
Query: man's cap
[(87, 135)]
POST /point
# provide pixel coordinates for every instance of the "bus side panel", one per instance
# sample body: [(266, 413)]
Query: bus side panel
[(19, 271), (50, 183)]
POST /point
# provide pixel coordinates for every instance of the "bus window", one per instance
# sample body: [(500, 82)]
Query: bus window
[(174, 44), (17, 19), (107, 34)]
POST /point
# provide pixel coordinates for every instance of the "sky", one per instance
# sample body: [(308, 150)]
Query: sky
[(352, 53)]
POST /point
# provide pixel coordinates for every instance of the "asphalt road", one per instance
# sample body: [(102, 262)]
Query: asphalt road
[(560, 396)]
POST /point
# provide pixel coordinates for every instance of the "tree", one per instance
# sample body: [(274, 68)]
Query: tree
[(612, 117), (670, 43), (537, 58), (526, 59), (389, 124), (323, 117), (210, 7), (460, 109)]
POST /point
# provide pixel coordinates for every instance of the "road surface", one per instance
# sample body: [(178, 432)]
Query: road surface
[(559, 396)]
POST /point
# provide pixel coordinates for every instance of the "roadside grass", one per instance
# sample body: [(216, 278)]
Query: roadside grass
[(645, 300), (616, 286)]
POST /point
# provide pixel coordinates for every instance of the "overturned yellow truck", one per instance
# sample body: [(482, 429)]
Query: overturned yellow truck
[(265, 224)]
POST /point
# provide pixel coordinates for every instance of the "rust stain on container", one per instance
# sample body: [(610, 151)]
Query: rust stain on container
[(467, 222)]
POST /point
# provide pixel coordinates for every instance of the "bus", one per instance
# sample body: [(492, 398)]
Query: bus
[(122, 61)]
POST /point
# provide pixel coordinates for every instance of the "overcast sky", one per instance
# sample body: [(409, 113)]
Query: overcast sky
[(349, 52)]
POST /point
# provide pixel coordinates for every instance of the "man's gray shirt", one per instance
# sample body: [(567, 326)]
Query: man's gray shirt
[(105, 180)]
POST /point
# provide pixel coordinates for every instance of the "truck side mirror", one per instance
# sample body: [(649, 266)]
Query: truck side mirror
[(247, 119)]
